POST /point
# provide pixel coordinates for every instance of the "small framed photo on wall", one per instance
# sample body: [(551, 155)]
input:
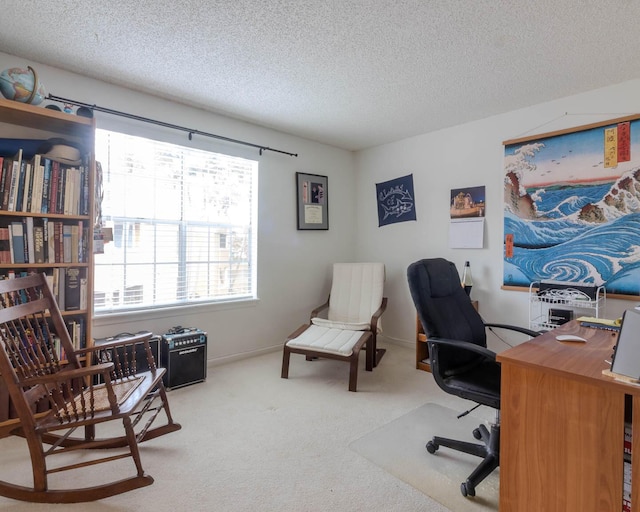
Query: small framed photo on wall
[(313, 206)]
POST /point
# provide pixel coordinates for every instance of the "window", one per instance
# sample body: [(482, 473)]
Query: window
[(183, 221)]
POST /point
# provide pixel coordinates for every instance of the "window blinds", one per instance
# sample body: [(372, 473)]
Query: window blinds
[(184, 225)]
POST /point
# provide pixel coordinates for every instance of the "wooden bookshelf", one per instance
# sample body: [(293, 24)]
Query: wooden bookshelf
[(25, 125)]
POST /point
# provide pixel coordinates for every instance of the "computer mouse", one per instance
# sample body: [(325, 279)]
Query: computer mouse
[(569, 337)]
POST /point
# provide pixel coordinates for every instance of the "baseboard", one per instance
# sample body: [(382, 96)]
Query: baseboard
[(397, 341), (243, 355), (253, 353)]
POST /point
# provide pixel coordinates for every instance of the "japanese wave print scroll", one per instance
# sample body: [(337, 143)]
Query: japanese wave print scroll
[(572, 207)]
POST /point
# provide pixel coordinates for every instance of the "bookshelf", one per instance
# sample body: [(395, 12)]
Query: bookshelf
[(47, 212)]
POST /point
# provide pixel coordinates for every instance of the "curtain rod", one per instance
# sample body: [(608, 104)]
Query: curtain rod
[(190, 131)]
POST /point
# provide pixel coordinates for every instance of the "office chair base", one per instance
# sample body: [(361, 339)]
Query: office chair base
[(489, 451)]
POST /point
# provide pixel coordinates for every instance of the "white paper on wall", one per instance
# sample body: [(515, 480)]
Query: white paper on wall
[(466, 233)]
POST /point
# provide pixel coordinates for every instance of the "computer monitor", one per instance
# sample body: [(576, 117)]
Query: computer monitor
[(626, 356)]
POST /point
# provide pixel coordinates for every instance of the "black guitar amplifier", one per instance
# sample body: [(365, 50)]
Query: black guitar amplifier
[(183, 353)]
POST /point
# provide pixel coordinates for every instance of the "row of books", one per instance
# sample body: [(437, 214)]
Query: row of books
[(626, 490), (68, 285), (77, 333), (42, 185), (42, 240)]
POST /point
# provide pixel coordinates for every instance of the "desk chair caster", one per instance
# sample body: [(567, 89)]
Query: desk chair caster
[(488, 450), (466, 488)]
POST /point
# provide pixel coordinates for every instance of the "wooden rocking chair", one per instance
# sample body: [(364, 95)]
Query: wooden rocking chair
[(52, 395)]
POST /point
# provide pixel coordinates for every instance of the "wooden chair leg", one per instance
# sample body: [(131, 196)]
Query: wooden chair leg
[(133, 444), (353, 372), (377, 352), (370, 353), (285, 362)]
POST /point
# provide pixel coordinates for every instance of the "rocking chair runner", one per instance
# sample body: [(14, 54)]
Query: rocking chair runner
[(53, 397)]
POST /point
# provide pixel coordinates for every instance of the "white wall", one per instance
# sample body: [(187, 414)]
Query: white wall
[(464, 156), (293, 266)]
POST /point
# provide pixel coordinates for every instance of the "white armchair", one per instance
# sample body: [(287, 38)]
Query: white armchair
[(352, 320)]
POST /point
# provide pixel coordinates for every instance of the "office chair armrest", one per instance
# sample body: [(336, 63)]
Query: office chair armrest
[(516, 328), (464, 345), (376, 316), (317, 310)]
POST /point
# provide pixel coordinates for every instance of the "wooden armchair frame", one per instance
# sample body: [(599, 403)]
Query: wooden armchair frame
[(53, 396), (374, 354), (367, 340), (358, 304)]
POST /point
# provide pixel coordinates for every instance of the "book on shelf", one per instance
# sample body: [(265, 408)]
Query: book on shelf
[(58, 287), (6, 172), (5, 245), (27, 190), (22, 175), (75, 242), (17, 242), (72, 288), (7, 176), (38, 244), (57, 240), (36, 186), (29, 240), (16, 162), (66, 243), (46, 183), (83, 293)]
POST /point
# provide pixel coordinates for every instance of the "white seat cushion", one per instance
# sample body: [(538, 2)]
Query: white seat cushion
[(356, 292), (325, 339), (323, 322)]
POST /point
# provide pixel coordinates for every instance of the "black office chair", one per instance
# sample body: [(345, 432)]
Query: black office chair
[(461, 363)]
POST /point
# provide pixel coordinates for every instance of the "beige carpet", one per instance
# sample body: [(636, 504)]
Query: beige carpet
[(253, 442), (399, 449)]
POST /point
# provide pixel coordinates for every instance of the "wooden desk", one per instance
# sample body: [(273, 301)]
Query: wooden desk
[(562, 427)]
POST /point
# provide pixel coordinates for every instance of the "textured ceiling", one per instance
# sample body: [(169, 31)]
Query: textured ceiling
[(350, 73)]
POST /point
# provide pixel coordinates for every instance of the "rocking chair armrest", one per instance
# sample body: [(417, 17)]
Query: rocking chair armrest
[(122, 351), (67, 375), (376, 316), (322, 307)]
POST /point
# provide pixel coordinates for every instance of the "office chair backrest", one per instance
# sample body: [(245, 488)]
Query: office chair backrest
[(443, 307), (356, 291)]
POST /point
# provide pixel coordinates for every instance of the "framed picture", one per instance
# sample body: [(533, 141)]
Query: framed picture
[(313, 207), (572, 207)]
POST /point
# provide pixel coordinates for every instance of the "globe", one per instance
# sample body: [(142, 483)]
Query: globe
[(21, 85)]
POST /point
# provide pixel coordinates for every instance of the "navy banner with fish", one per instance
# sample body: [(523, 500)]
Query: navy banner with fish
[(396, 201)]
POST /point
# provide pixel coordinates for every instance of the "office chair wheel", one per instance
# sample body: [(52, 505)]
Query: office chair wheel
[(467, 489), (432, 447), (476, 433)]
